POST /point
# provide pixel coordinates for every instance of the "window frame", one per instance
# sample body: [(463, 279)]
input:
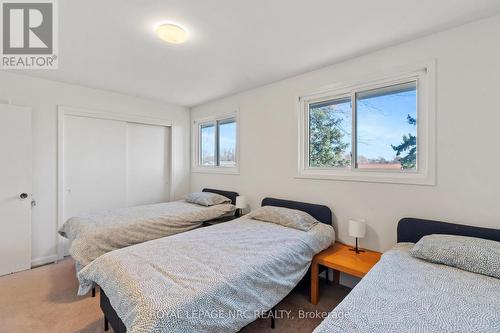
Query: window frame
[(196, 144), (424, 76)]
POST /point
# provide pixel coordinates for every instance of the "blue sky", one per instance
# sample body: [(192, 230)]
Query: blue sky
[(227, 133), (207, 141), (382, 121)]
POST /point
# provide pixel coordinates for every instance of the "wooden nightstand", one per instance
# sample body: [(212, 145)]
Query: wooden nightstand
[(340, 259), (219, 220)]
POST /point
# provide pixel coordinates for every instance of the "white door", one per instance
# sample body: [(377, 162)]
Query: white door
[(15, 188), (94, 164), (111, 164), (148, 164)]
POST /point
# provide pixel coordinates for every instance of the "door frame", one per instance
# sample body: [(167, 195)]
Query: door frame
[(63, 111)]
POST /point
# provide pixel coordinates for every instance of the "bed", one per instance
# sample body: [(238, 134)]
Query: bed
[(216, 279), (92, 235), (407, 294)]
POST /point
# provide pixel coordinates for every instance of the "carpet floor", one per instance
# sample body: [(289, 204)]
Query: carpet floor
[(44, 300)]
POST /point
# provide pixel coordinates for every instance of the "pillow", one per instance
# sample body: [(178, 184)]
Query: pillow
[(206, 198), (286, 217), (471, 254)]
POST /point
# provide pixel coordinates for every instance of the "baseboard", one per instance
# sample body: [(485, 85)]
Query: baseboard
[(44, 260)]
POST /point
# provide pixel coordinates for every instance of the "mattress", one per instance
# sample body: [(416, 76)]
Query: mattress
[(92, 235)]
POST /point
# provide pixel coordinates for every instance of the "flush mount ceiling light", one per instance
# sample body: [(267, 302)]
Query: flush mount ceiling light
[(171, 33)]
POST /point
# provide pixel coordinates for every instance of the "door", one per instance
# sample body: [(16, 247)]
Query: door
[(15, 188), (111, 164), (148, 164), (94, 166)]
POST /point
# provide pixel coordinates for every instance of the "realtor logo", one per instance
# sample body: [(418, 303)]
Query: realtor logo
[(29, 34)]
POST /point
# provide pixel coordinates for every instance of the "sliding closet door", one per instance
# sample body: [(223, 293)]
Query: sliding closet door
[(94, 165), (111, 164), (148, 164)]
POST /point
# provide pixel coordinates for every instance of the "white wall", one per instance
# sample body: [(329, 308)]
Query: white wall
[(468, 154), (44, 96)]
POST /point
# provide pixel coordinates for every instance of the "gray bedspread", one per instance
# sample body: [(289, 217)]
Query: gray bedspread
[(405, 294), (214, 279), (92, 235)]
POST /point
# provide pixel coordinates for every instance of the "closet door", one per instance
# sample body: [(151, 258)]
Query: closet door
[(112, 164), (94, 165), (148, 164)]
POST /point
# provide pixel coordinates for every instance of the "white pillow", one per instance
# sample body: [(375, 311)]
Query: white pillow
[(291, 218), (206, 198), (471, 254)]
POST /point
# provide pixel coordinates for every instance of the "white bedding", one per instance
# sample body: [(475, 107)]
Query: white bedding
[(92, 235), (215, 279)]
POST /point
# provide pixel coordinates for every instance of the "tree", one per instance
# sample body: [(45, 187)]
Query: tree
[(227, 154), (408, 145), (326, 148)]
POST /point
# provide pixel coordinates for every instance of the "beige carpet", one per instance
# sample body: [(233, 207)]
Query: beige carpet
[(44, 300)]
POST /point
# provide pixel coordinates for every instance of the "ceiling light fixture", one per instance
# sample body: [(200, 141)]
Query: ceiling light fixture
[(171, 33)]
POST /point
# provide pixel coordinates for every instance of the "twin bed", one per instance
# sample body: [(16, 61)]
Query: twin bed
[(215, 279), (221, 278), (95, 234), (403, 293)]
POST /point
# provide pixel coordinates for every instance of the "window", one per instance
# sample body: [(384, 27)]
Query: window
[(227, 142), (378, 132), (216, 145), (330, 133), (386, 128), (207, 144)]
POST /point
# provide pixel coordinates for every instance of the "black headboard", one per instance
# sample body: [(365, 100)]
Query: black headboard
[(412, 229), (227, 194), (319, 212)]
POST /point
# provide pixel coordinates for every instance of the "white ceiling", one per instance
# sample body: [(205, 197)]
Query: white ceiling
[(234, 45)]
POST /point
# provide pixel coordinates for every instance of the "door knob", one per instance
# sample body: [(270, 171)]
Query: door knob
[(23, 195)]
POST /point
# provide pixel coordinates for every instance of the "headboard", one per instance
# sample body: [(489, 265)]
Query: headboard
[(319, 212), (412, 229), (227, 194)]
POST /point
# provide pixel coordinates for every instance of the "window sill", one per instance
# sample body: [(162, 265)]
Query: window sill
[(216, 170), (370, 177)]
